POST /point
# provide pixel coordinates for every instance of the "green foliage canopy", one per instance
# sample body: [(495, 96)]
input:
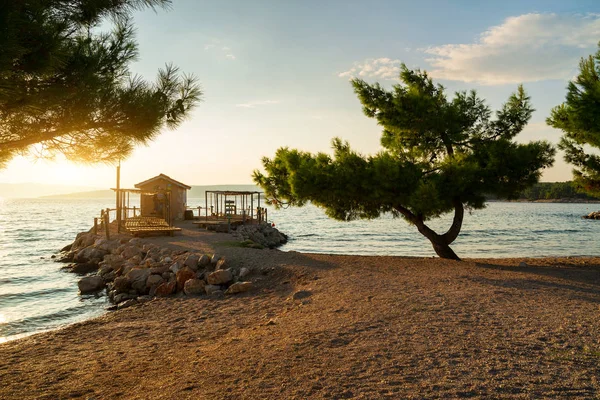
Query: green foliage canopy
[(66, 87), (579, 119), (438, 156)]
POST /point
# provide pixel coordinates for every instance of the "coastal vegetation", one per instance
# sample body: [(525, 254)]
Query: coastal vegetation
[(568, 191), (439, 155), (577, 117), (66, 87)]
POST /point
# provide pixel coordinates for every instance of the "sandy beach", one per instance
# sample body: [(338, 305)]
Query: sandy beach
[(322, 326)]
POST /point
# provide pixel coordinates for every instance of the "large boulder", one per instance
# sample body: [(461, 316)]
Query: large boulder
[(83, 268), (183, 275), (88, 254), (239, 287), (175, 267), (106, 245), (222, 264), (154, 281), (219, 277), (203, 261), (121, 284), (131, 251), (137, 277), (137, 242), (192, 261), (91, 284), (165, 289), (110, 262), (194, 287), (121, 297), (83, 239)]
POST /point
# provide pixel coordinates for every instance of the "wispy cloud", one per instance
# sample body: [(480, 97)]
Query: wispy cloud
[(383, 68), (525, 48), (253, 104), (225, 50)]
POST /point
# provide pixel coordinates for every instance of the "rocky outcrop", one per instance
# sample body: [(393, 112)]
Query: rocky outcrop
[(134, 272), (592, 215), (259, 236)]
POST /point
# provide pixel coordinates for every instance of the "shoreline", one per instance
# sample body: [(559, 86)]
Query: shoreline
[(321, 326)]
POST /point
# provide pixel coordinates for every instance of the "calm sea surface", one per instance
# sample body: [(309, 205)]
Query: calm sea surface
[(35, 295)]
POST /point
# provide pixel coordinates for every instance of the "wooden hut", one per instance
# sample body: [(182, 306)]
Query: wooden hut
[(164, 198)]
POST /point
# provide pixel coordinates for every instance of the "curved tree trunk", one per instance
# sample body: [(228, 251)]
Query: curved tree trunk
[(440, 243), (444, 251)]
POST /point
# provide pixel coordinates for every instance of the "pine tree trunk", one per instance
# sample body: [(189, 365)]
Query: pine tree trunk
[(441, 243), (444, 251)]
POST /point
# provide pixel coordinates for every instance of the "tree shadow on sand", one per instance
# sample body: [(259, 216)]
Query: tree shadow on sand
[(569, 276)]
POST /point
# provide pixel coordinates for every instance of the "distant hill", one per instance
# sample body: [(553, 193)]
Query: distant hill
[(195, 192), (93, 194), (31, 190)]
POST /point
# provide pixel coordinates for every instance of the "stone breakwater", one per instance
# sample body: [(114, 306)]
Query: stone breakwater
[(133, 271)]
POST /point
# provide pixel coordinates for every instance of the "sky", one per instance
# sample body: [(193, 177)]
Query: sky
[(276, 73)]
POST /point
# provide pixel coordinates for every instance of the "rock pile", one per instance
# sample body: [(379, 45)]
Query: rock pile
[(134, 272), (592, 215), (259, 236)]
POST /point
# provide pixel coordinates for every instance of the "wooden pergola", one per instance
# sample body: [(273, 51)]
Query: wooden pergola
[(232, 205)]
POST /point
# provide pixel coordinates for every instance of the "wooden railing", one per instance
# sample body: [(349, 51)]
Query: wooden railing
[(103, 220)]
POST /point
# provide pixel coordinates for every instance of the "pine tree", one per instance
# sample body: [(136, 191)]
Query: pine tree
[(438, 156), (66, 87), (579, 118)]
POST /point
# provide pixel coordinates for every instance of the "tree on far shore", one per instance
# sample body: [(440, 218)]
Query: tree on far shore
[(438, 156), (65, 84), (579, 119)]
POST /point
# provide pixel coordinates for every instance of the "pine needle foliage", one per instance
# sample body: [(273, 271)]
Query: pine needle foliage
[(438, 155), (579, 119), (66, 87)]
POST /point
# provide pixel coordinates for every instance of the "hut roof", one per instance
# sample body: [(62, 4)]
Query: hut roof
[(164, 177), (232, 192)]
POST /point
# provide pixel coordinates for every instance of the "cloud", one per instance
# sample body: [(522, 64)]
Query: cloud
[(383, 68), (226, 50), (253, 104), (525, 48)]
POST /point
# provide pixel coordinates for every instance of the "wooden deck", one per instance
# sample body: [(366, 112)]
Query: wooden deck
[(149, 226)]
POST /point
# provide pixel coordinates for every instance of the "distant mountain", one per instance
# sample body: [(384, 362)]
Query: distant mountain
[(195, 192), (94, 194), (30, 190)]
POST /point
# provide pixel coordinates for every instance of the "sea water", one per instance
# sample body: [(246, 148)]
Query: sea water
[(36, 295)]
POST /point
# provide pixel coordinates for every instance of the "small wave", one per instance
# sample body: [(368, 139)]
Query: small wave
[(18, 280), (34, 294), (46, 321)]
